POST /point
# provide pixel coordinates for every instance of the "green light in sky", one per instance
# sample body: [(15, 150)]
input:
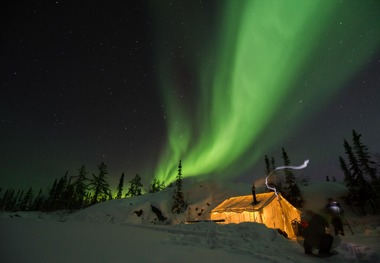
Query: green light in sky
[(254, 65)]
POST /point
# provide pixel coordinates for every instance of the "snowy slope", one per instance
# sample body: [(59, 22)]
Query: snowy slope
[(113, 232), (202, 197)]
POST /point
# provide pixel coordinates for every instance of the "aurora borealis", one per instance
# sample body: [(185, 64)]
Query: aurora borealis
[(217, 84), (261, 55)]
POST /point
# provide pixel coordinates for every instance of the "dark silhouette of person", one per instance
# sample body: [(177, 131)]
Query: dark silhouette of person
[(335, 211), (316, 234)]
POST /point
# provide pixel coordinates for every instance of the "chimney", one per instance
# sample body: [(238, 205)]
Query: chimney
[(254, 194)]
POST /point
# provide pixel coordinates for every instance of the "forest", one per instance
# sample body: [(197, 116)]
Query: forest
[(81, 190)]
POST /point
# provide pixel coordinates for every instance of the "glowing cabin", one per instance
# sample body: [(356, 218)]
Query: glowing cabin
[(271, 210)]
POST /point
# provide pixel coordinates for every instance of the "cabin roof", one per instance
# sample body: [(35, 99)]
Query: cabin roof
[(245, 203)]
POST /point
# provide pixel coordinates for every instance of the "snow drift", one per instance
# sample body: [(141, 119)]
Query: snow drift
[(131, 230)]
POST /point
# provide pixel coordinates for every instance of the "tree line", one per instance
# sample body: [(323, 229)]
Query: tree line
[(360, 175), (77, 192), (80, 191)]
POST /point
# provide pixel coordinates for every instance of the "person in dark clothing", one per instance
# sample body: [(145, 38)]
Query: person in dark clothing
[(334, 209), (316, 234)]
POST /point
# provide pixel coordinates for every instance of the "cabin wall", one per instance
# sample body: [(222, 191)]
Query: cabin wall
[(277, 214), (273, 216), (235, 218), (290, 213)]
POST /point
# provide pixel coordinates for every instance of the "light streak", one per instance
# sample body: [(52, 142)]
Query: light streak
[(304, 165)]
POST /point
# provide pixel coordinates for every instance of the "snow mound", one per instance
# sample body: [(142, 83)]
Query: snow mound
[(201, 197), (143, 229)]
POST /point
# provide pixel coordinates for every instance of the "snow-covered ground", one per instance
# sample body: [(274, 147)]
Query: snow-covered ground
[(113, 232)]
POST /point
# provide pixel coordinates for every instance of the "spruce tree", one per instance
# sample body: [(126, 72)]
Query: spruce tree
[(272, 180), (60, 194), (9, 200), (27, 201), (135, 186), (156, 186), (267, 165), (38, 201), (277, 180), (69, 196), (179, 204), (359, 193), (57, 194), (361, 190), (80, 188), (272, 162), (293, 191), (357, 173), (120, 187), (364, 158), (289, 176), (50, 201), (17, 201), (348, 177), (99, 185), (13, 200)]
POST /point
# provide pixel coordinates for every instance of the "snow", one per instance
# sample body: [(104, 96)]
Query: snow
[(113, 232)]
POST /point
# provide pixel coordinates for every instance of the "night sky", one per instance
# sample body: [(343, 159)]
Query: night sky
[(140, 85)]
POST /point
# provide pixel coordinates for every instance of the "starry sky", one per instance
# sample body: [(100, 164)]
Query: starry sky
[(140, 85)]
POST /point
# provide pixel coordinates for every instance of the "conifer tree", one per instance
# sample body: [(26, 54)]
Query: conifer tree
[(272, 162), (69, 196), (57, 194), (156, 186), (272, 180), (99, 185), (16, 202), (364, 159), (38, 201), (361, 190), (348, 177), (267, 165), (7, 200), (51, 198), (135, 187), (13, 200), (289, 176), (277, 180), (162, 185), (80, 188), (60, 197), (179, 204), (359, 193), (355, 170), (293, 191), (27, 201), (120, 187)]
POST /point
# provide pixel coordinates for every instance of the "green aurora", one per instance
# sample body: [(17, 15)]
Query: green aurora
[(234, 82)]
